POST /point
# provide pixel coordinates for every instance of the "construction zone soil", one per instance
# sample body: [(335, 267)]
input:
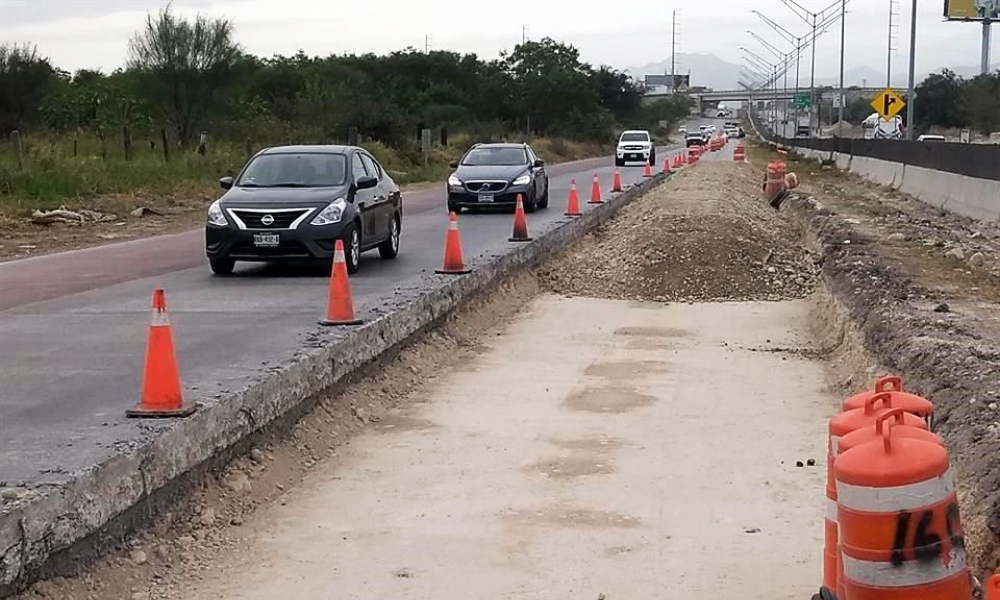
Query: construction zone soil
[(645, 411)]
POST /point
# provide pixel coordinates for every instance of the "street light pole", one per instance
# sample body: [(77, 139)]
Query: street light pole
[(812, 80), (910, 93)]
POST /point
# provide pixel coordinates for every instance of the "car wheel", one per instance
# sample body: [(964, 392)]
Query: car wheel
[(222, 266), (543, 202), (389, 249), (652, 159), (531, 204), (454, 208), (619, 162), (352, 248)]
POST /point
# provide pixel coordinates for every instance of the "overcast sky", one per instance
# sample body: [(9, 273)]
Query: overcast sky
[(94, 33)]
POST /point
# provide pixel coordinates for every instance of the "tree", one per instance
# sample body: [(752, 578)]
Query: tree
[(183, 66), (981, 102), (25, 79), (938, 101)]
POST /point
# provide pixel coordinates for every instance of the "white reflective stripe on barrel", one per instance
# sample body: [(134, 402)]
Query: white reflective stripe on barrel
[(900, 497), (908, 574), (831, 510), (159, 318), (834, 446), (338, 255)]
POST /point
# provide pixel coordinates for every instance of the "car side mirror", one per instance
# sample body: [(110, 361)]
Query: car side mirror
[(453, 164), (366, 183), (539, 162), (226, 183)]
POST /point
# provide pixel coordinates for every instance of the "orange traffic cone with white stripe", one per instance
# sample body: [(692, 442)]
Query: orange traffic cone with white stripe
[(340, 307), (520, 223), (595, 191), (161, 383), (573, 205), (666, 165), (616, 183), (649, 170), (453, 263)]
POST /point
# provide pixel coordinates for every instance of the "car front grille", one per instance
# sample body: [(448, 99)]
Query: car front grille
[(282, 219), (632, 148), (485, 187)]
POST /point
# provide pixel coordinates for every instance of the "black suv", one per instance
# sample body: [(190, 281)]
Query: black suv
[(296, 201), (492, 175)]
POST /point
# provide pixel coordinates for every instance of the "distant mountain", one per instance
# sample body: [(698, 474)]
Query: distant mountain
[(874, 78), (706, 70)]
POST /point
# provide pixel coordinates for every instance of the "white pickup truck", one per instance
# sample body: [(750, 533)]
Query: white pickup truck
[(635, 146)]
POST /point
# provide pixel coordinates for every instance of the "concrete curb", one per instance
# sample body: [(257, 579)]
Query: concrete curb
[(74, 522)]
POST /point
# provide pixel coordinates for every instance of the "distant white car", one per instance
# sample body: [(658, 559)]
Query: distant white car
[(931, 138), (635, 145)]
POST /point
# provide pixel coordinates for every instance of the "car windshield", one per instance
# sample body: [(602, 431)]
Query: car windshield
[(495, 156), (295, 170), (635, 137)]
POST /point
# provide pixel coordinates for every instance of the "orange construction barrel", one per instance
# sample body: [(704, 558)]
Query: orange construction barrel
[(993, 588), (911, 403), (900, 530), (841, 425), (694, 153)]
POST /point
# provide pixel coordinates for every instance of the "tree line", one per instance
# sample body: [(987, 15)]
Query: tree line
[(186, 76)]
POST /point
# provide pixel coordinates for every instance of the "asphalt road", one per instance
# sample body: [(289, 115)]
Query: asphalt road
[(73, 326)]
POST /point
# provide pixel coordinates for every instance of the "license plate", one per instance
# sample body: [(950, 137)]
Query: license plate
[(266, 240), (486, 197)]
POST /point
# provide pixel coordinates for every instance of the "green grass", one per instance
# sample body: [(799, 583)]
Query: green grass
[(51, 175)]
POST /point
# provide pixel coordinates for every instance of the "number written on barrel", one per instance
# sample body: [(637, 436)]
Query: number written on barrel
[(914, 534)]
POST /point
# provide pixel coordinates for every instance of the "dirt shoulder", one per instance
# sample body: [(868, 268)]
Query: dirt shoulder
[(923, 287)]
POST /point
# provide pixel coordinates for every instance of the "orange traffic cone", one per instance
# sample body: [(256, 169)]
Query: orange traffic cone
[(573, 206), (339, 308), (595, 191), (616, 183), (453, 263), (161, 383), (520, 224), (666, 165), (649, 170), (684, 158)]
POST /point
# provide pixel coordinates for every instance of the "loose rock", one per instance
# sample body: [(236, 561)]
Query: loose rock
[(977, 260), (138, 557), (207, 517)]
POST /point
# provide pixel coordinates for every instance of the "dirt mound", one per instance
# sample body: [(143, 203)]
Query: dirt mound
[(705, 235)]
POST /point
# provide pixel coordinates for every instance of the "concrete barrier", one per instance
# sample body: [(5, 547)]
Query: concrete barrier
[(968, 196), (77, 521)]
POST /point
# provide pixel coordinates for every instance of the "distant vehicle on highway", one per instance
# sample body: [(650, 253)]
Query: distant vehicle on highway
[(493, 175), (927, 137), (636, 145), (732, 132), (293, 202), (695, 139)]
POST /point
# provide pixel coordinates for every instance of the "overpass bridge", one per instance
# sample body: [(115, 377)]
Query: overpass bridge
[(767, 95)]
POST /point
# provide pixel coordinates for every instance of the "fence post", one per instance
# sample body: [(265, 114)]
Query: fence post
[(249, 150), (352, 136), (104, 146), (425, 145), (15, 141), (203, 143), (166, 145), (76, 139), (444, 136)]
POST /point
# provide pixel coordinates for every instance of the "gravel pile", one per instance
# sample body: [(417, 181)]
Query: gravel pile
[(706, 235)]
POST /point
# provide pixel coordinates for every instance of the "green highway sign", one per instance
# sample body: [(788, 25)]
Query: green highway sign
[(803, 101)]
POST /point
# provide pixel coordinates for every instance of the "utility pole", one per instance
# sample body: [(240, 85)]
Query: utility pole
[(524, 34), (893, 16), (910, 94), (984, 67), (427, 44), (843, 37), (673, 53)]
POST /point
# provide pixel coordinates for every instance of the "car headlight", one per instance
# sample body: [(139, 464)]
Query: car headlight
[(216, 216), (454, 181), (333, 213), (522, 180)]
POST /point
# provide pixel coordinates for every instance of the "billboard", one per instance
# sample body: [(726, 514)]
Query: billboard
[(972, 10)]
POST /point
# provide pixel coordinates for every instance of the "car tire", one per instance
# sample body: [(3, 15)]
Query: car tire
[(543, 202), (352, 248), (652, 159), (619, 162), (389, 249), (222, 266), (454, 208), (531, 204)]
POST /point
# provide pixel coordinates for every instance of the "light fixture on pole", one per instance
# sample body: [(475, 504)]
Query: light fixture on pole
[(814, 20)]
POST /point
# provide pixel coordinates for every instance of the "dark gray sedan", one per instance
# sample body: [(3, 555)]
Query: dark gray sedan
[(295, 202)]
